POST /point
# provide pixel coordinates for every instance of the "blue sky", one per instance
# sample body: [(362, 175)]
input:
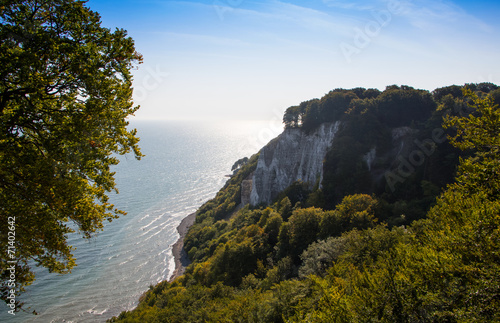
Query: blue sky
[(252, 59)]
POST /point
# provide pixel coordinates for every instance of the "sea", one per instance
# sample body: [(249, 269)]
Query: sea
[(185, 164)]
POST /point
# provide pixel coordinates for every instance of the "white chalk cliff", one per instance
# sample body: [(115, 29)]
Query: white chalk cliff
[(292, 156)]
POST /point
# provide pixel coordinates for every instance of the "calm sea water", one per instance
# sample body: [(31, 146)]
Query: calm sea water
[(184, 166)]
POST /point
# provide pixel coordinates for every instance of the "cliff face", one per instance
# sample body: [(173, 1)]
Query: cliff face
[(292, 156)]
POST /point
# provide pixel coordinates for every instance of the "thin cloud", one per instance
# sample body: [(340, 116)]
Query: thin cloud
[(278, 12), (428, 15)]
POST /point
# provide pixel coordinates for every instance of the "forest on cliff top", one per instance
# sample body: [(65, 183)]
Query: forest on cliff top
[(411, 236)]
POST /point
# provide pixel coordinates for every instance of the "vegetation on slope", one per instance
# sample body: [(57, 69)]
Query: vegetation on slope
[(299, 262)]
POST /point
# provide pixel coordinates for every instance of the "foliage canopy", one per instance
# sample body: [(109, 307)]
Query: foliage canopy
[(302, 263), (65, 94)]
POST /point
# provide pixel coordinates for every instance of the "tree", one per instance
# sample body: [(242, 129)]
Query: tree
[(334, 104), (293, 117), (239, 163), (447, 268), (400, 106), (312, 118), (65, 94), (304, 227), (479, 132)]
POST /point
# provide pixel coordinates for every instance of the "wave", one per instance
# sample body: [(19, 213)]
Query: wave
[(150, 223), (94, 312), (135, 251)]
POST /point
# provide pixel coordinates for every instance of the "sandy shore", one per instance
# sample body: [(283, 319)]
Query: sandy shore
[(180, 255)]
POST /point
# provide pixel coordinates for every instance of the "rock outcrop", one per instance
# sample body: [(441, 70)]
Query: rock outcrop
[(292, 156), (246, 190)]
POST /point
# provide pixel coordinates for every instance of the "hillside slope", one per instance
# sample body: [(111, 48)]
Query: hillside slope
[(369, 241)]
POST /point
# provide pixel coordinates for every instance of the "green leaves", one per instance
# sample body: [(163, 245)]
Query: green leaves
[(478, 131), (65, 94), (444, 268)]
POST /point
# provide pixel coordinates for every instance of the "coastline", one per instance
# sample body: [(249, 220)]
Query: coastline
[(180, 256)]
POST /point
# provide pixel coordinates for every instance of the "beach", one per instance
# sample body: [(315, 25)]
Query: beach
[(180, 255)]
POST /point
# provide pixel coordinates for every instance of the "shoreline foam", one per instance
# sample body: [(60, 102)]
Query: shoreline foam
[(180, 256)]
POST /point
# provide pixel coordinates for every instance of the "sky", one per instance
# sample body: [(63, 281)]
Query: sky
[(252, 59)]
